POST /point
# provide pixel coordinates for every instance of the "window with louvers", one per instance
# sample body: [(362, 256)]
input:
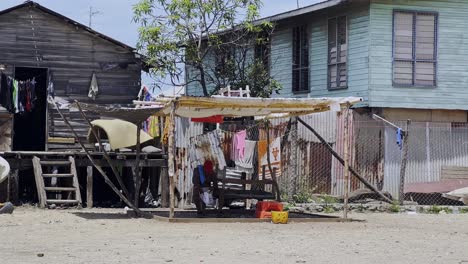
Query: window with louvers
[(337, 53), (414, 48), (300, 69)]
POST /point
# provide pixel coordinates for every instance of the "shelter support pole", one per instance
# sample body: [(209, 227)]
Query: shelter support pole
[(137, 170), (171, 161), (404, 160), (106, 155), (89, 187), (346, 163), (340, 159), (99, 168)]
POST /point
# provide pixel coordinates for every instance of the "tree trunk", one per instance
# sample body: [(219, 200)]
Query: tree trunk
[(202, 80)]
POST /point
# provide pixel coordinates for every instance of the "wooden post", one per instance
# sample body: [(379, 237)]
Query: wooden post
[(346, 162), (164, 182), (99, 168), (340, 159), (13, 186), (171, 161), (404, 160), (137, 171), (89, 187), (294, 158)]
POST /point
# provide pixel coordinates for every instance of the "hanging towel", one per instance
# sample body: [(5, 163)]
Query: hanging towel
[(201, 171), (238, 145), (153, 126), (93, 88), (247, 162), (15, 96), (399, 138)]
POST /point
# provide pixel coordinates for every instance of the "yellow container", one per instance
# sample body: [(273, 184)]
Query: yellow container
[(279, 217)]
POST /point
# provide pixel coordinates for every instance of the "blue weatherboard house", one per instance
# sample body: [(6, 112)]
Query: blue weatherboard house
[(407, 58)]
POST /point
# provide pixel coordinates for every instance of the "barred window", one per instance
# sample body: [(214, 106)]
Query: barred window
[(300, 68), (414, 48), (337, 53)]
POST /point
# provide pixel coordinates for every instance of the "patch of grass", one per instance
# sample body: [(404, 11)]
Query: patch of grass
[(303, 197), (437, 209), (395, 207), (328, 209), (328, 199), (463, 210), (434, 209)]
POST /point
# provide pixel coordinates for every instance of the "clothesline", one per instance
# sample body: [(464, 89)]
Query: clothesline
[(252, 127), (28, 80)]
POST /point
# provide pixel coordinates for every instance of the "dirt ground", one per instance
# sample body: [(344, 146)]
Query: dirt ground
[(108, 236)]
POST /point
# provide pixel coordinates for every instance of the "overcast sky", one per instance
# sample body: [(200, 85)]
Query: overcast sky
[(115, 16)]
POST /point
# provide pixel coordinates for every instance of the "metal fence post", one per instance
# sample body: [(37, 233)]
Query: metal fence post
[(293, 160), (403, 163), (346, 162)]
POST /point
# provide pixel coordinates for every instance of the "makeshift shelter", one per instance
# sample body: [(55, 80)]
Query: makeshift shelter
[(202, 107)]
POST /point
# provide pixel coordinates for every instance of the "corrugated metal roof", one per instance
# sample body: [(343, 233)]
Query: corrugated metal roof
[(304, 10)]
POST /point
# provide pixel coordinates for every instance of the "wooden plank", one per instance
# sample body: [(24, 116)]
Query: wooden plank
[(76, 184), (53, 162), (60, 189), (450, 172), (41, 194), (89, 187), (56, 201), (57, 175), (61, 140)]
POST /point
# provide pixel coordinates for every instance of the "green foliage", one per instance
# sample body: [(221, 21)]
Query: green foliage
[(395, 207), (328, 199), (437, 209), (328, 209), (210, 37), (463, 210), (303, 197)]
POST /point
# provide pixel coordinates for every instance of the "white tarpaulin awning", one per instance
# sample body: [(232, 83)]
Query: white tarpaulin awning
[(200, 107)]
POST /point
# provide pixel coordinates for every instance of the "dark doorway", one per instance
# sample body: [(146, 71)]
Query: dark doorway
[(30, 127)]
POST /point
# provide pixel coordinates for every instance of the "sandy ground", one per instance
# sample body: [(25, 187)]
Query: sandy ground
[(103, 236)]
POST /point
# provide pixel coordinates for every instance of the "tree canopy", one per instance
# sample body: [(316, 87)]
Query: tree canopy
[(210, 43)]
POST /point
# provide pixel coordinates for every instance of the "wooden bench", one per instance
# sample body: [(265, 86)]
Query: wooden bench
[(245, 190)]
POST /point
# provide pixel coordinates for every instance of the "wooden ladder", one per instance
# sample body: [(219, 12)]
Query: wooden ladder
[(65, 179)]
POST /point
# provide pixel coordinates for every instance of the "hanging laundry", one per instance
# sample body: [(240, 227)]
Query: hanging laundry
[(15, 96), (216, 119), (93, 88), (275, 157), (50, 84), (246, 163), (153, 126), (399, 137), (165, 135), (238, 145), (6, 93)]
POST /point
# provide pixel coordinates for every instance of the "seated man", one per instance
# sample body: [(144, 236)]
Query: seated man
[(203, 176), (6, 208)]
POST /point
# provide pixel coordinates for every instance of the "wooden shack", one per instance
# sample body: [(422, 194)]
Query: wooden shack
[(62, 55)]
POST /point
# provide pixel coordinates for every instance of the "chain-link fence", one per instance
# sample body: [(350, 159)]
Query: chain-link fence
[(437, 160)]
